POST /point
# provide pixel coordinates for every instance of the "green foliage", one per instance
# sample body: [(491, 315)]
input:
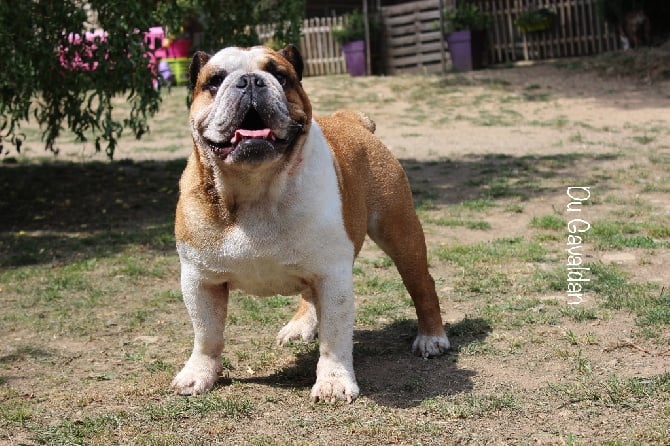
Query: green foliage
[(33, 84), (535, 19), (466, 16), (354, 29), (287, 15), (234, 22), (175, 14)]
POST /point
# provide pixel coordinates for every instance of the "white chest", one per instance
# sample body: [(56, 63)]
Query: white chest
[(279, 247)]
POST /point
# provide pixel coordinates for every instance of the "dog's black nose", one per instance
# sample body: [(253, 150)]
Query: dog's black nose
[(250, 79)]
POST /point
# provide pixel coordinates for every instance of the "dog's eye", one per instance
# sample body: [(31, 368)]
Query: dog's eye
[(281, 78), (214, 83)]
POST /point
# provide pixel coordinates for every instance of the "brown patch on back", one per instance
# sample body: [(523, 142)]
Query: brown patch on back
[(369, 175), (356, 117)]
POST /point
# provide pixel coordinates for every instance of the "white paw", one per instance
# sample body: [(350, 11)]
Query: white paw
[(427, 346), (198, 376), (335, 388), (301, 329)]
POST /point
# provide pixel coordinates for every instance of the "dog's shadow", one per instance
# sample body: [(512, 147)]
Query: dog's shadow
[(386, 370)]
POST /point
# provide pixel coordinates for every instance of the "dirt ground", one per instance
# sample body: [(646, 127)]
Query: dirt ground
[(527, 367)]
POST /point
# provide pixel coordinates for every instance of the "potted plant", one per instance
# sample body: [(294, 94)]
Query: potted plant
[(352, 38), (465, 28), (535, 19)]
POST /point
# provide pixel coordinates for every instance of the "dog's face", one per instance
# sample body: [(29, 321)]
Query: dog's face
[(248, 106)]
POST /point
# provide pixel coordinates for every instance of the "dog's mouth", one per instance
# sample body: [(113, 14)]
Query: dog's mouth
[(251, 133)]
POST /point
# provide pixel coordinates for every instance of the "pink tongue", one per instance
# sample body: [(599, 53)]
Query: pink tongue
[(241, 134)]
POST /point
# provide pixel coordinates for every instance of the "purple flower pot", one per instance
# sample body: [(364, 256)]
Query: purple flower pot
[(354, 57), (466, 49)]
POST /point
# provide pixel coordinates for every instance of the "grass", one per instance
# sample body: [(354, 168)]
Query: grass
[(614, 391), (185, 408), (103, 428), (94, 329), (267, 311), (478, 205), (548, 222), (498, 251), (471, 406), (619, 235), (453, 222), (614, 290)]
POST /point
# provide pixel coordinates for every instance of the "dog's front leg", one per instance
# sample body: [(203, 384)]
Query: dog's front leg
[(207, 304), (335, 379)]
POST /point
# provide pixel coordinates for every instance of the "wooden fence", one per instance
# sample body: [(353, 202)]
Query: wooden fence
[(413, 40), (322, 54), (578, 29)]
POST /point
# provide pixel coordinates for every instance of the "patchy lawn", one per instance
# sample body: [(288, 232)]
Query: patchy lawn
[(94, 329)]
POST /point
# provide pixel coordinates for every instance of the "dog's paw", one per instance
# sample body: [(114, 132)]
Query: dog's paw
[(197, 376), (302, 329), (333, 389), (428, 346)]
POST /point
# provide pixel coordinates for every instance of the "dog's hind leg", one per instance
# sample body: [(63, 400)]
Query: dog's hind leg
[(394, 226), (303, 325)]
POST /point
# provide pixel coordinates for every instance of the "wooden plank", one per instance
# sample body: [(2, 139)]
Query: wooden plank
[(414, 38), (414, 28), (427, 56), (321, 49), (312, 57), (423, 49), (579, 27), (498, 30), (305, 46), (422, 16), (599, 32), (563, 28), (511, 30), (329, 51), (416, 60), (593, 25), (407, 8)]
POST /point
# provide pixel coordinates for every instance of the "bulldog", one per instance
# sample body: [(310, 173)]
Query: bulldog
[(274, 201)]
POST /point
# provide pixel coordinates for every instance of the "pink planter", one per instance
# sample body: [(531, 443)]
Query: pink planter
[(179, 48)]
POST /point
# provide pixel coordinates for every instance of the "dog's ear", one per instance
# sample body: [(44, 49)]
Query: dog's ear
[(198, 61), (290, 52)]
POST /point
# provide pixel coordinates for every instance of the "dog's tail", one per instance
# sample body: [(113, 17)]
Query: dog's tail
[(356, 117)]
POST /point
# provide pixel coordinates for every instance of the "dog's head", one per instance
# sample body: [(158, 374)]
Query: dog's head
[(248, 105)]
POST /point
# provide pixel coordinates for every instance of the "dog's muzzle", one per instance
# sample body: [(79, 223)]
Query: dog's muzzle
[(256, 136)]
